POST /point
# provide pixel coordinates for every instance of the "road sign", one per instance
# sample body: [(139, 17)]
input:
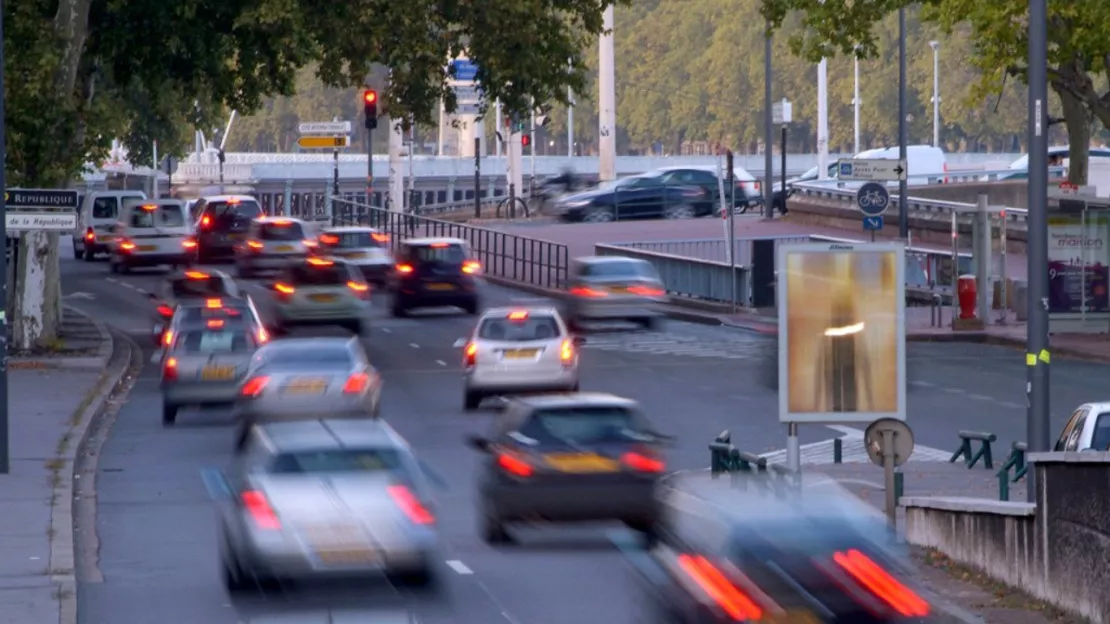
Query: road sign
[(465, 71), (49, 221), (323, 142), (873, 199), (467, 94), (40, 198), (871, 169), (325, 127), (899, 433), (872, 224), (467, 108), (781, 112), (1067, 189)]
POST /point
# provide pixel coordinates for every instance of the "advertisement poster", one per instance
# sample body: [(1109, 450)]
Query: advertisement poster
[(1077, 263), (841, 332)]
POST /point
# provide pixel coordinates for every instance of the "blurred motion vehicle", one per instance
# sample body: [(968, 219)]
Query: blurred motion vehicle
[(272, 243), (763, 552), (98, 214), (363, 247), (195, 314), (1088, 429), (435, 272), (191, 285), (608, 288), (517, 350), (320, 291), (574, 457), (663, 194), (325, 499), (151, 233), (223, 222), (204, 366), (747, 187), (308, 378)]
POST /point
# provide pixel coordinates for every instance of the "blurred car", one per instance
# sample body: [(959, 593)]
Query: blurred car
[(516, 350), (435, 272), (323, 499), (746, 191), (363, 247), (762, 552), (607, 288), (306, 378), (1088, 429), (223, 222), (319, 291), (151, 233), (272, 243), (203, 367), (191, 285), (574, 457), (195, 314), (658, 194)]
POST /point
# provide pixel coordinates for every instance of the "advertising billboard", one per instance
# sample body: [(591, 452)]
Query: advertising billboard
[(842, 340), (1077, 263)]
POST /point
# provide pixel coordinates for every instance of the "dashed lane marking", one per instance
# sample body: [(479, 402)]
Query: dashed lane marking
[(459, 567), (441, 362), (414, 345)]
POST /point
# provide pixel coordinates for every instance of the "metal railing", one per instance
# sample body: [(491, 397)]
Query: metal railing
[(707, 280)]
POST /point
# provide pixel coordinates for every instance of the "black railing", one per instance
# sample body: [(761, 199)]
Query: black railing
[(509, 256)]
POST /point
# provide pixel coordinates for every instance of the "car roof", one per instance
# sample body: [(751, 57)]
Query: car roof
[(739, 172), (420, 242), (350, 228), (576, 399), (531, 309), (330, 434), (1095, 407), (226, 198), (608, 259)]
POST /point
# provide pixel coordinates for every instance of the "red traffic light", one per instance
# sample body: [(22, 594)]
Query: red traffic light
[(525, 140), (370, 97)]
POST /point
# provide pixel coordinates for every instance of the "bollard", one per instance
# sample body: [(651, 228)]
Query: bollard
[(936, 314), (1016, 461), (971, 457), (838, 451)]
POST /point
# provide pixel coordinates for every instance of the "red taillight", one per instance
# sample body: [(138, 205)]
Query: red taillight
[(126, 245), (356, 383), (90, 235), (165, 310), (361, 290), (254, 387), (284, 291), (471, 267), (646, 291), (470, 356), (189, 243), (308, 243), (514, 465), (260, 511), (263, 335), (566, 352), (167, 340), (643, 463), (206, 222), (881, 584), (583, 291), (735, 603), (409, 504), (381, 238), (255, 245), (169, 370), (404, 269)]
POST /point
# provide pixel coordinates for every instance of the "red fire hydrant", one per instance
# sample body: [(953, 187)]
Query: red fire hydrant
[(967, 293)]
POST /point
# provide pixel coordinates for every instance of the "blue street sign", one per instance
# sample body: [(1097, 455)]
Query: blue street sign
[(465, 71), (872, 223), (845, 169), (873, 199)]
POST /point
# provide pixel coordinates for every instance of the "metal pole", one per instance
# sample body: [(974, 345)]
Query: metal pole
[(570, 123), (888, 478), (903, 110), (369, 167), (936, 92), (793, 447), (498, 128), (731, 176), (532, 153), (5, 462), (607, 101), (823, 120), (411, 173), (782, 167), (154, 173), (1037, 356), (955, 268), (768, 129), (477, 177), (335, 173), (855, 106), (1004, 303)]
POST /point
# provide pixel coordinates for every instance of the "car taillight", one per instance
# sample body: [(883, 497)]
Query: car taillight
[(308, 243), (359, 289), (254, 387), (263, 335), (566, 352), (470, 355), (725, 595), (256, 505), (169, 370), (471, 267), (205, 222), (404, 269), (643, 463), (284, 291), (583, 291), (255, 245), (356, 383), (126, 245), (514, 465), (167, 338), (165, 310), (881, 583), (189, 243), (413, 508), (90, 235), (646, 291)]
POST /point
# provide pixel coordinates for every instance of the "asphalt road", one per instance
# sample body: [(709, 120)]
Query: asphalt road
[(157, 558)]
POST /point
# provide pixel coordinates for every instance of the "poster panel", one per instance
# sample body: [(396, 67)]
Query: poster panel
[(1077, 263), (842, 341)]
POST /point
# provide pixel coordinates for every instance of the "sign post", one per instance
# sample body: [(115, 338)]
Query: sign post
[(333, 135), (782, 114), (873, 200), (889, 444), (871, 169)]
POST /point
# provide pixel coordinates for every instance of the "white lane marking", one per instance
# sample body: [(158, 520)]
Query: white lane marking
[(112, 279), (980, 397), (414, 345), (459, 567), (924, 384), (441, 362), (386, 330), (1012, 405), (953, 390)]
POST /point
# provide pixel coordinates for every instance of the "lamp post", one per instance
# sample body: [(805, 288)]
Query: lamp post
[(935, 45), (855, 106)]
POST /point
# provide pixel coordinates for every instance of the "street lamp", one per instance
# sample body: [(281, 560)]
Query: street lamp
[(855, 104), (935, 45)]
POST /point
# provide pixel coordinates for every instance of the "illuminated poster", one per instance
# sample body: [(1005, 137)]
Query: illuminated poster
[(1077, 259), (841, 332)]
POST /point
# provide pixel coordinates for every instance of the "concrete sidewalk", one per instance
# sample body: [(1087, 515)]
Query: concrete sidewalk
[(53, 397)]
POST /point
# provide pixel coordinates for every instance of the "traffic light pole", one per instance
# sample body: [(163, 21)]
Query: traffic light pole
[(370, 167), (5, 460)]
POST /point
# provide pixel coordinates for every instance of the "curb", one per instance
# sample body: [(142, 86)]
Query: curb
[(62, 551)]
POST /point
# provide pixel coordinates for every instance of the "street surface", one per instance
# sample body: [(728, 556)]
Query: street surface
[(158, 556)]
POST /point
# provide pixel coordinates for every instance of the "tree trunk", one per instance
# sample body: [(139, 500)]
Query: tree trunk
[(1077, 119)]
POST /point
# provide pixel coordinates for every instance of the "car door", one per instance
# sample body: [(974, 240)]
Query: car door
[(640, 198), (1069, 429)]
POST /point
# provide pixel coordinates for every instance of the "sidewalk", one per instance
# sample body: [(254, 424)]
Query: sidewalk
[(52, 399)]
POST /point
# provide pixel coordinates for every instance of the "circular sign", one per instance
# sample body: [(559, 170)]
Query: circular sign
[(902, 436), (873, 199)]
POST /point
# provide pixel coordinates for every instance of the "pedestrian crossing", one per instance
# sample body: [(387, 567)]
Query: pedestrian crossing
[(853, 451), (726, 345)]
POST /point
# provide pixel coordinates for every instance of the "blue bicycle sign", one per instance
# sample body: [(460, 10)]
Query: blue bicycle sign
[(873, 199)]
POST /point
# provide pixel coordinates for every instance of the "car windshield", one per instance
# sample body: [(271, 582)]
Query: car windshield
[(585, 425), (445, 253), (207, 286), (281, 231), (353, 240), (105, 208), (624, 270), (318, 274), (244, 209), (541, 327), (214, 341), (342, 460)]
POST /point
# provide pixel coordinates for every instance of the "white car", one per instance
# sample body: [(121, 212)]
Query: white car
[(519, 350), (1088, 429)]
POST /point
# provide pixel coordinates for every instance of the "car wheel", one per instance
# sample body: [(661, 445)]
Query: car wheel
[(471, 400), (112, 266), (235, 581), (599, 215), (493, 531), (422, 578), (122, 267), (679, 211), (89, 255), (169, 414), (76, 253)]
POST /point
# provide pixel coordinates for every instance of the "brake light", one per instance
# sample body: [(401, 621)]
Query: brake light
[(438, 245), (716, 585), (149, 207), (254, 386), (584, 291), (233, 201), (90, 235), (263, 335), (356, 383), (206, 222), (518, 315), (471, 267), (642, 463), (169, 370), (358, 287), (320, 262), (212, 304), (409, 504), (329, 239), (646, 291), (196, 275), (167, 338), (189, 243), (514, 465), (215, 323), (284, 289), (404, 268), (566, 352), (470, 356), (165, 310), (282, 222), (260, 511), (379, 237), (881, 584), (308, 242), (126, 245), (257, 246)]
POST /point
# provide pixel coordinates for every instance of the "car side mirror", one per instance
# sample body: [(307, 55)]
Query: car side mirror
[(477, 443), (460, 343), (579, 341)]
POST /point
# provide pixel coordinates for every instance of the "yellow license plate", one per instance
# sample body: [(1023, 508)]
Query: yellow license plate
[(314, 386), (322, 298), (147, 247), (800, 616), (581, 463), (217, 373), (520, 354), (441, 287), (354, 254), (618, 289), (285, 248), (347, 557)]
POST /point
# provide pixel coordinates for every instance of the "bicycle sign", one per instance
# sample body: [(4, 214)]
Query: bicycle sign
[(873, 199)]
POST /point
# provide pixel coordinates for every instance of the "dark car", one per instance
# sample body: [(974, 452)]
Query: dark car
[(434, 272), (665, 193), (223, 223)]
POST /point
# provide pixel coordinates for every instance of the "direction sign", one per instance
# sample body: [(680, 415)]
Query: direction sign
[(465, 70), (872, 224), (871, 169), (873, 199), (1067, 189), (40, 198), (49, 221), (781, 112), (325, 127), (323, 142)]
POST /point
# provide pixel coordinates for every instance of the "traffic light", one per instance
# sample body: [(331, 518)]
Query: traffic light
[(525, 140), (370, 108)]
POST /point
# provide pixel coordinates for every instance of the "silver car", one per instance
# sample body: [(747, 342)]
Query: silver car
[(204, 367), (322, 499), (321, 291), (309, 378), (195, 313), (609, 288), (365, 248), (272, 243)]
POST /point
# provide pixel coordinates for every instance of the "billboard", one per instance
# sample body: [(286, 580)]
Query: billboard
[(1078, 275), (842, 340)]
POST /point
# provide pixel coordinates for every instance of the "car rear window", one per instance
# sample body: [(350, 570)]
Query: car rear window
[(353, 240), (584, 425), (519, 330), (198, 314), (281, 231), (341, 460), (319, 275), (105, 208), (437, 254), (630, 270), (217, 341), (211, 286), (242, 210), (160, 216), (285, 356)]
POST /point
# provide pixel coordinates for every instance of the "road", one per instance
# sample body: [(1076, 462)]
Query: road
[(157, 557)]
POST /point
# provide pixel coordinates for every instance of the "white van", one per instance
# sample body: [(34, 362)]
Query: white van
[(99, 213), (151, 233), (926, 165)]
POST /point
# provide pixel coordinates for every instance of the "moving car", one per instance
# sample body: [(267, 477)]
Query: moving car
[(575, 457), (317, 291), (435, 272), (517, 350), (363, 247), (195, 314), (272, 243), (191, 285), (151, 233), (223, 222), (99, 213), (1088, 429), (323, 499), (204, 367), (607, 288), (654, 195)]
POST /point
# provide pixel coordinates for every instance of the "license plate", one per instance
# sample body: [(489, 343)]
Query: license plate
[(346, 556), (234, 237), (440, 287), (285, 248), (322, 298), (147, 247), (354, 254), (618, 289), (581, 463), (310, 386), (217, 373), (520, 354)]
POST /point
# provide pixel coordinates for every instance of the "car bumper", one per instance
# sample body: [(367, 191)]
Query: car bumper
[(287, 558), (200, 393), (532, 379), (99, 247), (154, 258), (632, 500), (626, 309), (284, 409)]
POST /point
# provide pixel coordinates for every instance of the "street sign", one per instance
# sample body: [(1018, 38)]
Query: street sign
[(467, 94), (467, 108), (871, 169), (40, 198), (49, 221), (873, 199), (323, 142), (465, 71), (781, 112), (1067, 189), (898, 443), (872, 224), (325, 127)]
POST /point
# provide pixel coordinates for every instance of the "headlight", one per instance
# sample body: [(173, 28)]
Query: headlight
[(578, 203)]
